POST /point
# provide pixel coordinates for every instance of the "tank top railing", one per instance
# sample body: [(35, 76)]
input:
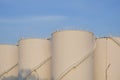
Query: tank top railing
[(37, 67), (2, 75), (77, 63)]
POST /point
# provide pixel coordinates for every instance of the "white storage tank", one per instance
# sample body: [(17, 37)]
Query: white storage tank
[(106, 59), (72, 57), (34, 59), (8, 62)]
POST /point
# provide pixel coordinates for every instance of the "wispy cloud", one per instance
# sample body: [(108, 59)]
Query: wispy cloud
[(33, 19)]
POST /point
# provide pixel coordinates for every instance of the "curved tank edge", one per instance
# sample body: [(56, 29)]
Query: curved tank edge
[(46, 39), (72, 30), (33, 39)]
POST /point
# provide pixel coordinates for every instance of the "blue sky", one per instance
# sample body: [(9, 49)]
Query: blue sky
[(39, 18)]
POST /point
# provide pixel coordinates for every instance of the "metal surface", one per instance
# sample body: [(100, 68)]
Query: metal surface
[(106, 59), (34, 59), (8, 62), (71, 55)]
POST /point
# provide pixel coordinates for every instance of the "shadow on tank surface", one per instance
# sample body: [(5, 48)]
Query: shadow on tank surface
[(9, 78), (28, 75)]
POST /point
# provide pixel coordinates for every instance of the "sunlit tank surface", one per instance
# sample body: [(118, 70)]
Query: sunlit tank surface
[(106, 59), (72, 55), (8, 62), (34, 59)]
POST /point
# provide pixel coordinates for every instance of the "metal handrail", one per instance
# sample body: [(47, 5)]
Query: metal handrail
[(8, 70), (37, 67), (118, 43), (74, 65)]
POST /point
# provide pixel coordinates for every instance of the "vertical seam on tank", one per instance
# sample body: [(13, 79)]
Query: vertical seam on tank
[(106, 57)]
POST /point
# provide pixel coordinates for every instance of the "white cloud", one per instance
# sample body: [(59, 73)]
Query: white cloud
[(34, 19)]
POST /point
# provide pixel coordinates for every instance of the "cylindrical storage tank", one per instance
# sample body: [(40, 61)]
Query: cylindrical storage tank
[(100, 59), (72, 57), (34, 59), (8, 62), (106, 59)]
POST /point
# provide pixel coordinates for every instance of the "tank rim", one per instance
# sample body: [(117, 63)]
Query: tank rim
[(108, 37), (73, 30), (33, 39)]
